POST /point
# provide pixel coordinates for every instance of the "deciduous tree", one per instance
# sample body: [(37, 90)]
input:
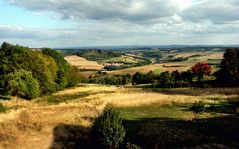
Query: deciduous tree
[(200, 69)]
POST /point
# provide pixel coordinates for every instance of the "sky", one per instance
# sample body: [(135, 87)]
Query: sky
[(74, 23)]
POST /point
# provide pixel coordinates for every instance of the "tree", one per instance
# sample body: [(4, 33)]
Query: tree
[(150, 77), (187, 76), (175, 75), (63, 67), (75, 77), (139, 78), (200, 69), (165, 79), (108, 130), (11, 58), (22, 83), (43, 68), (229, 71)]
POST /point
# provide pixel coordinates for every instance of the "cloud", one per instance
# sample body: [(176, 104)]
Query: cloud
[(129, 10), (115, 22), (215, 11)]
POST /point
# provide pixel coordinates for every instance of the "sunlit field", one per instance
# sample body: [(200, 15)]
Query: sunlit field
[(82, 63)]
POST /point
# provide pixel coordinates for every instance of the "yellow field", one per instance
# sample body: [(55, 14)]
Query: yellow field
[(203, 55), (82, 63), (162, 67), (32, 124)]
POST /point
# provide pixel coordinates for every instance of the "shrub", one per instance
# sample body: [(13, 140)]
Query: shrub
[(108, 130), (75, 77), (22, 83), (197, 108)]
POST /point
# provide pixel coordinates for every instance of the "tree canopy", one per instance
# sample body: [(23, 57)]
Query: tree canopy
[(46, 68), (200, 69)]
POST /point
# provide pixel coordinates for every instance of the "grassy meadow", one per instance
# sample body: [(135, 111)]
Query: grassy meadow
[(153, 117)]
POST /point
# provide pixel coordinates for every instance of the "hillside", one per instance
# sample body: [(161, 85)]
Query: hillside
[(54, 120), (172, 60), (82, 63)]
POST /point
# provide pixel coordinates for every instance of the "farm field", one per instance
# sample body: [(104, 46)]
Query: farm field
[(154, 67), (63, 119), (82, 63), (213, 57)]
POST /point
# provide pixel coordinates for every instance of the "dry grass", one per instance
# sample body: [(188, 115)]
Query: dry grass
[(203, 55), (30, 124), (82, 63), (145, 69)]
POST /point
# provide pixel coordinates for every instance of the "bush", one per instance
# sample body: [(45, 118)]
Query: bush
[(198, 107), (75, 77), (22, 83), (108, 130)]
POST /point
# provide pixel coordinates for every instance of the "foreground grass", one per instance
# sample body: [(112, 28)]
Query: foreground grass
[(181, 112), (64, 119)]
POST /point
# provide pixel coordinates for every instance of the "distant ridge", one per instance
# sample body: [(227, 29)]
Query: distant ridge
[(147, 47)]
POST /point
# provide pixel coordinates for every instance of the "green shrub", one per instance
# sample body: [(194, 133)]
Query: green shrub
[(75, 77), (108, 130), (197, 107), (22, 83)]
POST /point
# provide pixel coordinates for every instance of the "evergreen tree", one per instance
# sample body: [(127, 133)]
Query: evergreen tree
[(229, 71), (108, 130)]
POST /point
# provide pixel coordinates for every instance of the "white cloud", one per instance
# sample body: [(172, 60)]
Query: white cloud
[(115, 22)]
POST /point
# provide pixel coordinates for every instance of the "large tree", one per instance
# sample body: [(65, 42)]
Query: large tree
[(229, 71), (200, 69), (63, 67)]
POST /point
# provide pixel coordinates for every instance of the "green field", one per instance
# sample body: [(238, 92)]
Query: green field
[(175, 126)]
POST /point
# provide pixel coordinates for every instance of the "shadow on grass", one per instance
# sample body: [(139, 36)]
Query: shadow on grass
[(173, 133), (71, 137), (158, 133), (224, 108), (69, 97), (162, 132), (4, 95), (198, 91)]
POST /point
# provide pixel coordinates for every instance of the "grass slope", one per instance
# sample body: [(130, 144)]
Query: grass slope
[(82, 63), (62, 120)]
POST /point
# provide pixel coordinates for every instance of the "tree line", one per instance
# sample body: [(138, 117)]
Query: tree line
[(30, 74)]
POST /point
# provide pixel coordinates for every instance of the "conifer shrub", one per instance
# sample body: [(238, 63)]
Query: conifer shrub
[(107, 130)]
